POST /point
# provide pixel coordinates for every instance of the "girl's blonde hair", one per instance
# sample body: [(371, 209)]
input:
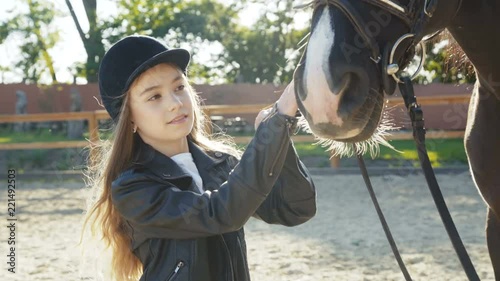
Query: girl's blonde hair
[(111, 157)]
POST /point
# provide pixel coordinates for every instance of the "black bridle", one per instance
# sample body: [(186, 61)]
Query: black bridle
[(409, 15), (415, 16)]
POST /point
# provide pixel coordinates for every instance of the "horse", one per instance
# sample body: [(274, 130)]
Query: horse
[(354, 57)]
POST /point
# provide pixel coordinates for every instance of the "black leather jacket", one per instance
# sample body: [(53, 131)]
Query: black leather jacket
[(180, 234)]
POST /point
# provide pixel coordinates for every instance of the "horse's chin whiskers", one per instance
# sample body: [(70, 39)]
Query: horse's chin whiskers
[(371, 145)]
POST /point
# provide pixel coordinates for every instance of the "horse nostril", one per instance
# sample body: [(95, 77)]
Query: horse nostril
[(348, 79), (342, 84), (351, 94)]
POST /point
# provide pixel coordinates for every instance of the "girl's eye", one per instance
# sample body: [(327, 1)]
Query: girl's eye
[(180, 88), (154, 97)]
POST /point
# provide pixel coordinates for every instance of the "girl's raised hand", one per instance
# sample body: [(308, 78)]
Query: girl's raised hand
[(287, 104)]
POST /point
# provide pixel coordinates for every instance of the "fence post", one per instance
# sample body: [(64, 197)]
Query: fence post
[(208, 125), (334, 161), (93, 128), (93, 135)]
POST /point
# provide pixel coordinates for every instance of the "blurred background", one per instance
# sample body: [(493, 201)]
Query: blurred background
[(244, 53)]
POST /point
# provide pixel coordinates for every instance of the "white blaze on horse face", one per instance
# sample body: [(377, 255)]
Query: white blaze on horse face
[(321, 103)]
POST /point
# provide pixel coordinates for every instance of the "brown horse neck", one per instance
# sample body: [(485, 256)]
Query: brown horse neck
[(476, 28), (445, 12)]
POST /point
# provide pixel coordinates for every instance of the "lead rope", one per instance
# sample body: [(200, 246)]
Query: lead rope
[(417, 120), (381, 217)]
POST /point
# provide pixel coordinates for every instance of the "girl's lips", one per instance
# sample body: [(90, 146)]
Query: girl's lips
[(178, 120)]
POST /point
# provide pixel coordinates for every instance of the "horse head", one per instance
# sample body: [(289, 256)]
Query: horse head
[(353, 56)]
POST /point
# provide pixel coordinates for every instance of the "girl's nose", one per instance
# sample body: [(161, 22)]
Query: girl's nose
[(174, 102)]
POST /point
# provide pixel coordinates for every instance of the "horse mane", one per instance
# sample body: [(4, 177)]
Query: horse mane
[(456, 57)]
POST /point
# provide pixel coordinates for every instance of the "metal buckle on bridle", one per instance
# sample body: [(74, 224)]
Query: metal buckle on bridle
[(376, 60), (393, 68)]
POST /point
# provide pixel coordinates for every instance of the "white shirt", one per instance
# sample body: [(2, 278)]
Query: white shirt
[(186, 162)]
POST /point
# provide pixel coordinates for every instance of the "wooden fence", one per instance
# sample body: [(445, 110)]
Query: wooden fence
[(93, 117)]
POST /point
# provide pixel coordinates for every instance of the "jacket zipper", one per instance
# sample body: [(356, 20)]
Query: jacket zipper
[(279, 152), (229, 257), (180, 264)]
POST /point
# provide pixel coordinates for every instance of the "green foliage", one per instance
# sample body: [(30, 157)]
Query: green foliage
[(440, 151), (192, 24), (36, 27), (257, 54), (263, 53), (442, 65), (182, 20), (44, 135)]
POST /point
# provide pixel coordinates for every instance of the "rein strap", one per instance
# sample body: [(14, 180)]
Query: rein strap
[(381, 217), (417, 120), (418, 125)]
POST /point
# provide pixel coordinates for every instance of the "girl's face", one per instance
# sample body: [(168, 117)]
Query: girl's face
[(161, 106)]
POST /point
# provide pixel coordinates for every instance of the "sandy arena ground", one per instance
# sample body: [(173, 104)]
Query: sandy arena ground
[(343, 242)]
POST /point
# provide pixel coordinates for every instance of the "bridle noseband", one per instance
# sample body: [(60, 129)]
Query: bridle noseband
[(414, 16)]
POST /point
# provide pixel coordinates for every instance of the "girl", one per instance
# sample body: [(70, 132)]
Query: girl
[(172, 200)]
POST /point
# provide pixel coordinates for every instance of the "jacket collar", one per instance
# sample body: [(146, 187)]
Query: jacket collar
[(164, 167)]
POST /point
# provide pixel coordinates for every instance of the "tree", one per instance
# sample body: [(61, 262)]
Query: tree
[(265, 53), (194, 22), (191, 24), (92, 40), (257, 54), (40, 36), (252, 55)]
